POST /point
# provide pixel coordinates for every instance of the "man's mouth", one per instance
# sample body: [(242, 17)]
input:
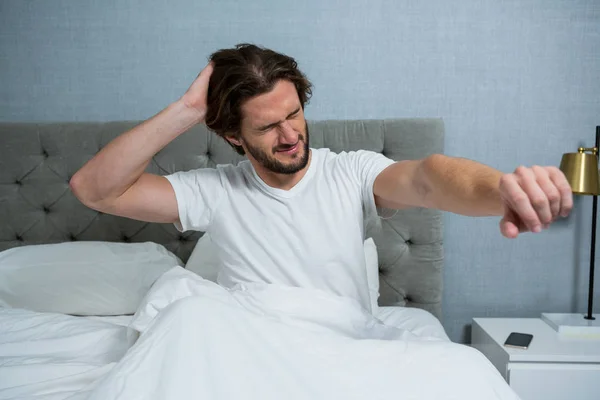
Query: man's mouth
[(289, 150)]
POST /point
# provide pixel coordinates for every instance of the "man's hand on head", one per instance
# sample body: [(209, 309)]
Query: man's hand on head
[(196, 97), (533, 198)]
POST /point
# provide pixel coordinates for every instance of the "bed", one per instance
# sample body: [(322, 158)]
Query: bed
[(53, 346)]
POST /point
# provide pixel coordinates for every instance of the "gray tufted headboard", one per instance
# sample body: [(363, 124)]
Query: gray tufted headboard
[(37, 206)]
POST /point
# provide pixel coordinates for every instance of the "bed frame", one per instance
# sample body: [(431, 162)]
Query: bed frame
[(37, 161)]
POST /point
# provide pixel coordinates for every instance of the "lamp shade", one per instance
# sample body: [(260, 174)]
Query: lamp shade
[(581, 170)]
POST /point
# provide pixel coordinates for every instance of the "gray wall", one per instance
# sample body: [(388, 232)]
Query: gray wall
[(517, 82)]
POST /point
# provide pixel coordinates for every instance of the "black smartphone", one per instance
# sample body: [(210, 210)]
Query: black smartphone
[(518, 340)]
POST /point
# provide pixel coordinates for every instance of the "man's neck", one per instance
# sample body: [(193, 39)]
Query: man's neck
[(281, 181)]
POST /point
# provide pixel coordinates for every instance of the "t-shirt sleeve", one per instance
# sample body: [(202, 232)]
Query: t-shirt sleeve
[(367, 165), (198, 193)]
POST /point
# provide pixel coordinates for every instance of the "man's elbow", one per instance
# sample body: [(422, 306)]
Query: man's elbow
[(76, 184), (83, 192)]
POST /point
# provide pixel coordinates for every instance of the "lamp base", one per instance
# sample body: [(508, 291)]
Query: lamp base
[(574, 325)]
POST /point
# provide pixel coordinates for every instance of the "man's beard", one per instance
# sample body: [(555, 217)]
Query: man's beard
[(276, 166)]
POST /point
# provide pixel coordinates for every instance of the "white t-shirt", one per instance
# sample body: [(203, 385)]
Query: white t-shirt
[(310, 236)]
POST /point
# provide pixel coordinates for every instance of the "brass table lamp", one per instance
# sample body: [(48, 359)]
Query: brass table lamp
[(581, 170)]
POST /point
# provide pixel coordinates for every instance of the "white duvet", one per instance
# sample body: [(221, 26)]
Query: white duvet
[(200, 341)]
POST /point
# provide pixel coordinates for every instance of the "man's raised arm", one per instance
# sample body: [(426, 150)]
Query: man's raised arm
[(114, 181)]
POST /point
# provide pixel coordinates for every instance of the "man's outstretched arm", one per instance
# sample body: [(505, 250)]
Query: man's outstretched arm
[(529, 199)]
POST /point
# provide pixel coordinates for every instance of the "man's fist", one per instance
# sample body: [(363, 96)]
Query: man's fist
[(533, 198)]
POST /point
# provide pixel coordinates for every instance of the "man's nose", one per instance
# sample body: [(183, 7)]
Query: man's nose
[(287, 134)]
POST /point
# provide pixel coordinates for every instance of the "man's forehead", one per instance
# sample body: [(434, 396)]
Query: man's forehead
[(268, 115), (272, 106)]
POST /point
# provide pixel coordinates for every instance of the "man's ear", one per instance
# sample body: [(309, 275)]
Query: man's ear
[(233, 140)]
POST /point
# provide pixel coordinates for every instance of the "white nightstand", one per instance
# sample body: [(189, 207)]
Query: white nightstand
[(551, 368)]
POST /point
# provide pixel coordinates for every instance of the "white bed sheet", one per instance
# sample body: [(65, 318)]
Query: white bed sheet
[(53, 356), (418, 321), (120, 320)]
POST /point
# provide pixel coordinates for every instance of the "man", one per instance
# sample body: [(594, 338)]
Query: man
[(291, 214)]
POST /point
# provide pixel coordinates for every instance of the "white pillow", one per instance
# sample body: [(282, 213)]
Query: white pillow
[(81, 278), (205, 262)]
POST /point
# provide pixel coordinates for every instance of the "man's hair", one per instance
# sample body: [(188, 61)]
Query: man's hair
[(244, 72)]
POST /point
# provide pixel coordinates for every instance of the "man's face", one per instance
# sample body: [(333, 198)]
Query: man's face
[(273, 130)]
